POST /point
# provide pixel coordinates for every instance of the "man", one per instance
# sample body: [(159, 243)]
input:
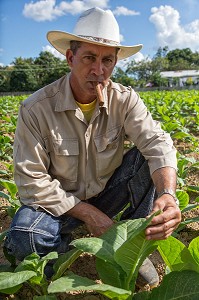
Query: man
[(68, 151)]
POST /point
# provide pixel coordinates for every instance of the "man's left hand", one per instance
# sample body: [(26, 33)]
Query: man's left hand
[(164, 224)]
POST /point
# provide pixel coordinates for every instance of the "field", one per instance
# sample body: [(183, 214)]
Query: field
[(179, 113)]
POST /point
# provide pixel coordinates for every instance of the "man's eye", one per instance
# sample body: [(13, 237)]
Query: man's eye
[(108, 62), (88, 59)]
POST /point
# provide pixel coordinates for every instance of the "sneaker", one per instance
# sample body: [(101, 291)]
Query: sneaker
[(147, 275)]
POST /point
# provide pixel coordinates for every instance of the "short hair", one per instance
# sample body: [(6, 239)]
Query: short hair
[(74, 46)]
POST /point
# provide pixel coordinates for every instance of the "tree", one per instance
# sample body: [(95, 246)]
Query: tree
[(161, 52), (120, 76), (140, 70), (182, 59), (4, 79), (23, 76), (50, 68)]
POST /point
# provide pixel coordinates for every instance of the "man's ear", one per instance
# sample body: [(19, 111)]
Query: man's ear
[(69, 57)]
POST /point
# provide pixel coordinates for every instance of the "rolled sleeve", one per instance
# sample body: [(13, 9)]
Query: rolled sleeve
[(31, 163)]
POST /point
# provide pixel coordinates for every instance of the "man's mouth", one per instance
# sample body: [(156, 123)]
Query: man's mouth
[(94, 83)]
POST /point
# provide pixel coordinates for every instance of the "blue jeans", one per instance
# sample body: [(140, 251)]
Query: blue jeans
[(40, 232)]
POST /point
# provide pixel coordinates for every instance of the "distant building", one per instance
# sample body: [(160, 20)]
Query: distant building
[(181, 78)]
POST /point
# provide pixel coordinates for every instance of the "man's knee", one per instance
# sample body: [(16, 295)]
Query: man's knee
[(32, 231)]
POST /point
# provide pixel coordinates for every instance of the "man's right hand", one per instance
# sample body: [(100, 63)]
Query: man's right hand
[(95, 220)]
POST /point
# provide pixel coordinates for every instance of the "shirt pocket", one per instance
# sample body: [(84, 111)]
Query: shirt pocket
[(109, 153), (64, 154)]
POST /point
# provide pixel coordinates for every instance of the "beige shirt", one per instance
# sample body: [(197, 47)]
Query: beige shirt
[(60, 159)]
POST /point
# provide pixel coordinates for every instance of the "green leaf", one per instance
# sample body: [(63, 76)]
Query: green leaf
[(96, 246), (193, 188), (196, 199), (74, 282), (190, 207), (4, 195), (10, 186), (30, 263), (183, 198), (176, 255), (122, 231), (11, 290), (187, 221), (133, 249), (64, 261), (182, 285), (50, 256), (180, 135), (131, 255), (109, 273), (142, 296), (194, 250), (10, 280), (3, 172)]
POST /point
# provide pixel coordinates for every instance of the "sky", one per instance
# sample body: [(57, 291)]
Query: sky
[(153, 23)]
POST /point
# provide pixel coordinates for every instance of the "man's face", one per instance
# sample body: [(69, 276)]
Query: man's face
[(91, 64)]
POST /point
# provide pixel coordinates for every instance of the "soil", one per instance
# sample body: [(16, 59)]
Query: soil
[(85, 264)]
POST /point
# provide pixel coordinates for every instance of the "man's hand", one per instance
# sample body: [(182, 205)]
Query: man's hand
[(95, 220), (99, 224), (165, 223)]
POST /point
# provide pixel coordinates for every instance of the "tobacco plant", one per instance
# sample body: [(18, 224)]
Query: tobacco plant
[(31, 271), (119, 254)]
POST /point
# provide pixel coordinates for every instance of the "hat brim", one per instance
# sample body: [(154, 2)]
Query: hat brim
[(61, 42)]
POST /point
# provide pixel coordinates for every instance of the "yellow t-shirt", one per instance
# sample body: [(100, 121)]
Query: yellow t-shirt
[(87, 109)]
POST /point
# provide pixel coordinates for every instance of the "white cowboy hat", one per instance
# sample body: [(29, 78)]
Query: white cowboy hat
[(95, 26)]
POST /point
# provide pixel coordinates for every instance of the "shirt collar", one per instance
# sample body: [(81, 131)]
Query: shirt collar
[(65, 98)]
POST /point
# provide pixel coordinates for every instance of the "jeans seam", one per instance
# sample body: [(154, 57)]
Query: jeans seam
[(37, 220), (33, 230), (32, 244)]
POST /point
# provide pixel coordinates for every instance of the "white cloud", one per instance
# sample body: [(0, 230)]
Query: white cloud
[(53, 51), (121, 10), (124, 62), (76, 7), (170, 32), (43, 10), (47, 10), (121, 38)]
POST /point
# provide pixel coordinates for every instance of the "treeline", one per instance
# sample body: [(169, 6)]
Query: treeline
[(28, 74), (31, 74)]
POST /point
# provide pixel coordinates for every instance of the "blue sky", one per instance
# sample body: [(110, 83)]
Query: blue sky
[(153, 23)]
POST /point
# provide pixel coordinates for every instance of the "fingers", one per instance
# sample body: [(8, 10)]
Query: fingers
[(160, 231), (163, 225), (171, 213)]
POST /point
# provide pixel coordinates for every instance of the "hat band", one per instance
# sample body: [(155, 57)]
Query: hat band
[(100, 40)]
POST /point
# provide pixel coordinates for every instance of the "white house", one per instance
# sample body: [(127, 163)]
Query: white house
[(182, 75)]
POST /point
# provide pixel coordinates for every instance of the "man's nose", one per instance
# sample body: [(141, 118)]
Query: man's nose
[(98, 68)]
